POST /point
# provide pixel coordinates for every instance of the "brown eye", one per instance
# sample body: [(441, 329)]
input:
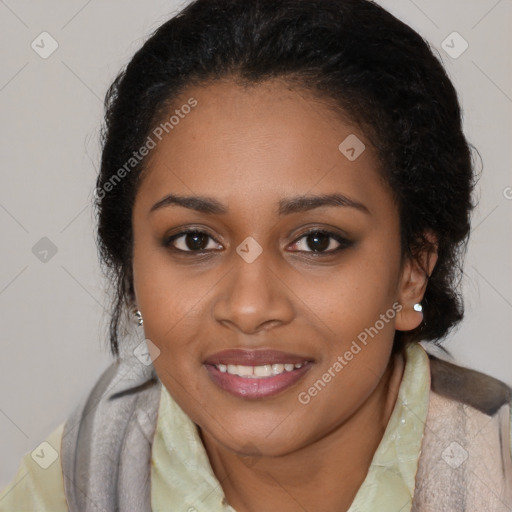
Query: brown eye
[(321, 242), (191, 241), (318, 241)]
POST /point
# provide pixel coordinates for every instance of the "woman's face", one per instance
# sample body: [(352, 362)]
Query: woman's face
[(260, 318)]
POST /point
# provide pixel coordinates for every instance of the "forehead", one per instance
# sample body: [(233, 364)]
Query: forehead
[(258, 144)]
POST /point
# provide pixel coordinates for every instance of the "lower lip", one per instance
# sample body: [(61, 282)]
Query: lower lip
[(261, 387)]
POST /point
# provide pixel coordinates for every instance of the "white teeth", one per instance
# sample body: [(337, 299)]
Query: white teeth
[(256, 372), (245, 371), (263, 371), (277, 369)]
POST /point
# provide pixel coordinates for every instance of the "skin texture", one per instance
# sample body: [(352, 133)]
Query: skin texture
[(249, 149)]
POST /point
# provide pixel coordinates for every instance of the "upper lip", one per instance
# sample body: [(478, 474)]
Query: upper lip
[(260, 357)]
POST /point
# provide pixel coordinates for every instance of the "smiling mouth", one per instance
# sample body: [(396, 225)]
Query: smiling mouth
[(256, 374)]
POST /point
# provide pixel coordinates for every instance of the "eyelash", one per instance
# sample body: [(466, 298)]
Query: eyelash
[(344, 243)]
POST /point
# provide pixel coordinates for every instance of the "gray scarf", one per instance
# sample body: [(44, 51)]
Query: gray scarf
[(465, 462)]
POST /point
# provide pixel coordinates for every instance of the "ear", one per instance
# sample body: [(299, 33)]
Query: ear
[(413, 283)]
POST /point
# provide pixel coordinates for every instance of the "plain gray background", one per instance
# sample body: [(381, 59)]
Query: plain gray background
[(54, 312)]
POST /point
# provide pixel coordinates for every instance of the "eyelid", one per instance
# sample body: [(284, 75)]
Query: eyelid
[(342, 240), (169, 239)]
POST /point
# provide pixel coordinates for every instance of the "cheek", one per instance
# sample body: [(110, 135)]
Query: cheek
[(351, 296), (169, 300), (161, 289)]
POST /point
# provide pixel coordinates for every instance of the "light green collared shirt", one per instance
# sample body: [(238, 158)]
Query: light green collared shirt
[(182, 478)]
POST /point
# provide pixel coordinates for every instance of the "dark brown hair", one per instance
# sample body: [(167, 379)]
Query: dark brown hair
[(372, 67)]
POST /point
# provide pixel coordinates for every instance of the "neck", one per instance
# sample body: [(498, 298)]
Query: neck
[(317, 476)]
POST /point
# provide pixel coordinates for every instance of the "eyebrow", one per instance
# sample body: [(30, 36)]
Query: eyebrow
[(211, 206)]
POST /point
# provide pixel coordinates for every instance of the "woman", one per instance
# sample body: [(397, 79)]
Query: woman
[(283, 206)]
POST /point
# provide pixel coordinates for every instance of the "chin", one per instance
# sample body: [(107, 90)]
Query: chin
[(272, 435)]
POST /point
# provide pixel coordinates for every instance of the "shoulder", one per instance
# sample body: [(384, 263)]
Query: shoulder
[(474, 395), (466, 453), (115, 416), (470, 387), (38, 483), (106, 449)]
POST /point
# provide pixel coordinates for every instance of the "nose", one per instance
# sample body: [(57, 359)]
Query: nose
[(253, 297)]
